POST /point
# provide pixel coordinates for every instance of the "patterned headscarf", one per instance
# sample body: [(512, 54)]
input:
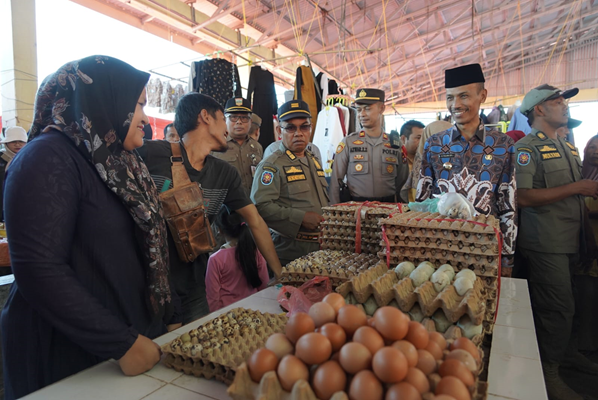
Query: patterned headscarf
[(92, 101)]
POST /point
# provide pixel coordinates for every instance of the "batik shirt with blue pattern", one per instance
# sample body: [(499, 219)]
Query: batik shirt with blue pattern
[(482, 169)]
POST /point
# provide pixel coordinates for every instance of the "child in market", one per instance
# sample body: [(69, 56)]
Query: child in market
[(238, 269)]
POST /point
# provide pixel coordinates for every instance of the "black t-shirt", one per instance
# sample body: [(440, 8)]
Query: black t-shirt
[(220, 182)]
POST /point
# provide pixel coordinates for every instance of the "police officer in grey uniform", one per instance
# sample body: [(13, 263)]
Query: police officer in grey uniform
[(550, 192), (243, 152), (373, 165), (289, 188)]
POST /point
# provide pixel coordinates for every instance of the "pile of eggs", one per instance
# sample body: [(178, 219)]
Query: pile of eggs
[(335, 347)]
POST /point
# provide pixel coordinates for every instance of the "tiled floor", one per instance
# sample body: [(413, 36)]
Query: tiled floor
[(515, 372)]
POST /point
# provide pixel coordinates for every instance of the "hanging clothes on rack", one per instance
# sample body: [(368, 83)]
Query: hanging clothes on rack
[(217, 77), (167, 105), (305, 89), (179, 92), (333, 87), (328, 134), (322, 80), (262, 96), (154, 92)]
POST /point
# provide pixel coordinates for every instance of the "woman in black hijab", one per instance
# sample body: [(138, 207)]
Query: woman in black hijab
[(87, 235)]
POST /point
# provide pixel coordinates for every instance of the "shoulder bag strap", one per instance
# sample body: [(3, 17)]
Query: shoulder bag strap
[(180, 176)]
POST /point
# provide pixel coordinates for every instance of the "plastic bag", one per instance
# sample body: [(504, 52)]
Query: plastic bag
[(455, 205), (300, 299), (428, 205)]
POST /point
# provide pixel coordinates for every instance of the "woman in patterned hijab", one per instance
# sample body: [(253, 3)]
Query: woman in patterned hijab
[(87, 236)]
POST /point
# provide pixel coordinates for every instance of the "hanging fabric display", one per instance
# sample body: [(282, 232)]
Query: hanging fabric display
[(167, 100), (262, 96), (305, 89), (217, 77), (179, 92), (154, 92)]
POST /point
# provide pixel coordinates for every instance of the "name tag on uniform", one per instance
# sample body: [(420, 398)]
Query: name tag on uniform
[(391, 152), (359, 149), (295, 178), (551, 156)]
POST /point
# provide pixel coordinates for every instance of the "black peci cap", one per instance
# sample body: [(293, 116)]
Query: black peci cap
[(460, 76), (369, 96)]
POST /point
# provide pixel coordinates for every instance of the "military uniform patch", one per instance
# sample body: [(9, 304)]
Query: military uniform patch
[(269, 168), (524, 149), (340, 148), (387, 145), (390, 169), (321, 173), (358, 157), (267, 178), (239, 102), (295, 178), (570, 146), (523, 158), (362, 134), (541, 136), (293, 170), (358, 142), (392, 159), (290, 154), (551, 156), (546, 149), (575, 153), (358, 167)]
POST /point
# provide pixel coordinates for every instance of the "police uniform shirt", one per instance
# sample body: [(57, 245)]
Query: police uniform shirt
[(372, 167), (541, 163), (482, 169), (285, 187), (244, 157)]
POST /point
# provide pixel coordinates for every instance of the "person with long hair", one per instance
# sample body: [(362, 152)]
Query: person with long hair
[(87, 234), (238, 269)]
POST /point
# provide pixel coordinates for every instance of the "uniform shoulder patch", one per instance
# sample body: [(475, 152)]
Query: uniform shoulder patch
[(524, 149), (541, 136), (388, 145), (269, 168), (340, 147), (267, 178), (523, 158), (290, 154)]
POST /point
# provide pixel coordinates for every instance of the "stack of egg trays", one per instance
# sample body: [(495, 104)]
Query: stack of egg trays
[(215, 349), (339, 266), (473, 244), (338, 230)]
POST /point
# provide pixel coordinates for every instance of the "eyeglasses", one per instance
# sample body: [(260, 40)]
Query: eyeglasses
[(235, 118), (293, 128)]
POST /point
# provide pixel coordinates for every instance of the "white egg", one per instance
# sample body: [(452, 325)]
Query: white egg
[(441, 322), (440, 280), (467, 273), (462, 285), (404, 269), (419, 276), (416, 313), (469, 329), (447, 269)]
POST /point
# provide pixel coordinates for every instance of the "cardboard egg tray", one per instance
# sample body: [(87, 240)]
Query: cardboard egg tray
[(343, 222), (423, 236), (387, 287), (215, 349), (269, 388), (339, 266)]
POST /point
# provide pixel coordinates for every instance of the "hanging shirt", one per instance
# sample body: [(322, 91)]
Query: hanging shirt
[(481, 169), (329, 133)]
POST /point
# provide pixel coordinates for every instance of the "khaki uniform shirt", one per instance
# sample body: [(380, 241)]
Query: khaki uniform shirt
[(372, 167), (285, 187), (544, 163), (244, 158)]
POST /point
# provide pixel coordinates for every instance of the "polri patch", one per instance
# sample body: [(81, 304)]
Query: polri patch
[(340, 148), (358, 157), (359, 149), (295, 178), (523, 158), (358, 167), (391, 159), (362, 134), (388, 145), (390, 169), (267, 178), (358, 142)]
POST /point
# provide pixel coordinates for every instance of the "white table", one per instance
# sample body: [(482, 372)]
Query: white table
[(514, 372)]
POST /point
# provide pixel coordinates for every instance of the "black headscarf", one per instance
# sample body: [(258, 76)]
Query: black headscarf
[(92, 101)]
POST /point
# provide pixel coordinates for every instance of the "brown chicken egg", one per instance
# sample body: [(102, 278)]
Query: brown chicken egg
[(465, 357), (390, 365), (328, 379), (453, 387), (434, 349), (351, 318), (443, 397), (457, 369), (369, 337), (322, 313), (402, 391), (365, 386), (298, 325), (355, 357), (439, 339), (290, 370), (260, 362), (335, 334), (313, 348), (279, 344), (418, 335), (335, 300), (426, 362), (408, 350), (465, 344), (391, 323), (418, 379)]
